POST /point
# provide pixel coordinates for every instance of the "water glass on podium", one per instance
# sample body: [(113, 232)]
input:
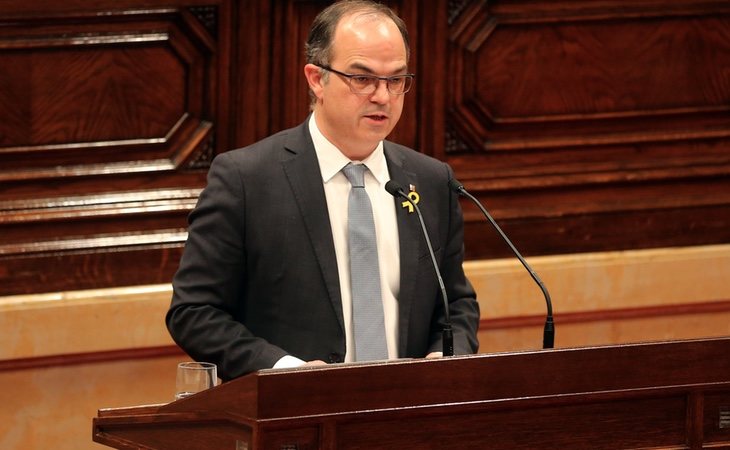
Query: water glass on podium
[(193, 377)]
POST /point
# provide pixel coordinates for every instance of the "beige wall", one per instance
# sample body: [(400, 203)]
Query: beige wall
[(77, 352), (65, 355), (605, 298)]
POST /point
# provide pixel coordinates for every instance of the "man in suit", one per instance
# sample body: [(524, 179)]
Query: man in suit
[(265, 281)]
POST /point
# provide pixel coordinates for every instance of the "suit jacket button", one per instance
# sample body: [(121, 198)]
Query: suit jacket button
[(336, 358)]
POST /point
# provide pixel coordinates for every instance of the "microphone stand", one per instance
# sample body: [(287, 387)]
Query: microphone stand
[(548, 337), (447, 334)]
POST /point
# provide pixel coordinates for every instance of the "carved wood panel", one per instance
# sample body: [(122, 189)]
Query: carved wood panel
[(586, 126), (111, 114), (582, 126)]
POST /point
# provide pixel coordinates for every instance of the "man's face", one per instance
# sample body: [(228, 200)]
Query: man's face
[(355, 123)]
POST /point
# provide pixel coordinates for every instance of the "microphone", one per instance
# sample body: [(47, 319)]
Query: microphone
[(396, 190), (548, 337)]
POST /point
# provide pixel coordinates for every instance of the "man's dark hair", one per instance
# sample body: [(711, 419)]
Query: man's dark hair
[(319, 43)]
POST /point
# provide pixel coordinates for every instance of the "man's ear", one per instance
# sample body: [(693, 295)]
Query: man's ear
[(314, 79)]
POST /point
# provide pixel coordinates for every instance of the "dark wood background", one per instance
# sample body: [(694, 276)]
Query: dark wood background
[(582, 125)]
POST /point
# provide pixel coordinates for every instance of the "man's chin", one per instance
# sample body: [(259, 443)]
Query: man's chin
[(377, 133)]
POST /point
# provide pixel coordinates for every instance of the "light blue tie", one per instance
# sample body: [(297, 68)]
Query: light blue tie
[(367, 304)]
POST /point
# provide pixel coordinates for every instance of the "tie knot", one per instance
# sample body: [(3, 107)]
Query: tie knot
[(355, 174)]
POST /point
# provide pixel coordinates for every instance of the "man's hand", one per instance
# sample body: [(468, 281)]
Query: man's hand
[(316, 362), (433, 355)]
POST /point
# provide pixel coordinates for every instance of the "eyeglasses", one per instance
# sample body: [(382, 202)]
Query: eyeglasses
[(363, 84)]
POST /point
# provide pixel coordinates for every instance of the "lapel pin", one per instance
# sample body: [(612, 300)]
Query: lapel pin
[(414, 198)]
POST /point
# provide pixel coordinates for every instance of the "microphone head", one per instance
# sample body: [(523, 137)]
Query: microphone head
[(456, 186), (394, 188)]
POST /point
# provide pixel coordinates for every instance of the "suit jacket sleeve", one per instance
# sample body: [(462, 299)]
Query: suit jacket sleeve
[(205, 317)]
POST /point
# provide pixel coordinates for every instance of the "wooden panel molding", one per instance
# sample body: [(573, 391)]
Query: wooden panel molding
[(590, 126), (82, 101), (623, 76), (111, 115), (582, 126)]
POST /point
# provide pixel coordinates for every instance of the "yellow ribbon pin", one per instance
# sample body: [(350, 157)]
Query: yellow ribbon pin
[(414, 197)]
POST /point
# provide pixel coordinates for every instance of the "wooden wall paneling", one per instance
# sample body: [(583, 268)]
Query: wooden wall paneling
[(111, 88), (289, 96), (620, 106), (406, 131), (113, 113), (251, 73), (585, 126), (433, 72)]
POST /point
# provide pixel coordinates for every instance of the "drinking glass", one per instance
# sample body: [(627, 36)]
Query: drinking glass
[(193, 377)]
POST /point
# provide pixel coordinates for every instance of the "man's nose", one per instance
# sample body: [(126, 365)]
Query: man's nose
[(381, 94)]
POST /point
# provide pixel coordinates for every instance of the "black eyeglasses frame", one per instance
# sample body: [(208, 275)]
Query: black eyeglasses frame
[(349, 76)]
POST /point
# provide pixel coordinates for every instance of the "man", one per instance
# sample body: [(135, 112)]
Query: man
[(265, 277)]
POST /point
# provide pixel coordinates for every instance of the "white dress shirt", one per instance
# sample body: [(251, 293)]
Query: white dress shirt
[(337, 189)]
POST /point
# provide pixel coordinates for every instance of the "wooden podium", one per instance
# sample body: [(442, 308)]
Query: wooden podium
[(668, 395)]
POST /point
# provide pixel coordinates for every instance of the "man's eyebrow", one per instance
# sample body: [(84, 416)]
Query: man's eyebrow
[(366, 69)]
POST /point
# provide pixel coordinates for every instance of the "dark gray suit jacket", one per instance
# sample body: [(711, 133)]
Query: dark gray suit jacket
[(258, 278)]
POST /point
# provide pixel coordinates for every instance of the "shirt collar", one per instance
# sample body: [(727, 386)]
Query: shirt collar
[(331, 160)]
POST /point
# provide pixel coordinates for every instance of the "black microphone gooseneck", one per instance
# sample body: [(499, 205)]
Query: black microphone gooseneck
[(396, 190), (548, 337)]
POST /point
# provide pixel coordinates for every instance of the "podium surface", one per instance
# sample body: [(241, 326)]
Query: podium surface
[(668, 395)]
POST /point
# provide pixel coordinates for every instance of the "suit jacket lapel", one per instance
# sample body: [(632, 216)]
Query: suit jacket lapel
[(409, 236), (302, 171)]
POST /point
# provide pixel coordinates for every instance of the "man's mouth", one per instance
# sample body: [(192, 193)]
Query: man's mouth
[(377, 117)]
